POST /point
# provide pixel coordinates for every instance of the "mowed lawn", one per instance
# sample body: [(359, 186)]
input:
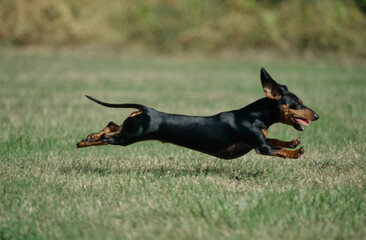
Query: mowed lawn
[(51, 190)]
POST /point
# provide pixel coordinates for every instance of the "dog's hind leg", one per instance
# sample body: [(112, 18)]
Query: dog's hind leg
[(96, 139)]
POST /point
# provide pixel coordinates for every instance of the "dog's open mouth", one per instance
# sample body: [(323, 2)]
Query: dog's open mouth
[(298, 122)]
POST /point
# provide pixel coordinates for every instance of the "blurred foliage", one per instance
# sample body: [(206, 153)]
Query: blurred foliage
[(179, 25)]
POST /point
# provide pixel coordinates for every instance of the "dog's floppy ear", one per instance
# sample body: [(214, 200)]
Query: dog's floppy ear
[(270, 87)]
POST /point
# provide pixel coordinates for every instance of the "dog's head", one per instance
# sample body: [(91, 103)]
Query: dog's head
[(292, 110)]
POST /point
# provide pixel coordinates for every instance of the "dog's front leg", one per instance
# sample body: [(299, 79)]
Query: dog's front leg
[(275, 147), (286, 144), (276, 151)]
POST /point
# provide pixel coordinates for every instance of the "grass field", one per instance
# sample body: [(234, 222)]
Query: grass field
[(51, 190)]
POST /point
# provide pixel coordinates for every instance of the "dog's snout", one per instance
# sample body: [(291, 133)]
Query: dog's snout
[(316, 116)]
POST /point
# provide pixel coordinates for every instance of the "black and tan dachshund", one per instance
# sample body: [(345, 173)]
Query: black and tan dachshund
[(226, 135)]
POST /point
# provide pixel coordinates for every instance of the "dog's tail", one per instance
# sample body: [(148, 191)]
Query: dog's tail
[(122, 105)]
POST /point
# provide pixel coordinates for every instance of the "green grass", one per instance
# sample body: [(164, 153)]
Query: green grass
[(51, 190)]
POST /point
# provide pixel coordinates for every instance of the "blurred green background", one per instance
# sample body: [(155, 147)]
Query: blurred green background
[(172, 26), (52, 52)]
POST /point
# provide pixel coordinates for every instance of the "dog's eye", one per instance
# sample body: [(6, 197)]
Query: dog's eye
[(295, 106), (298, 105)]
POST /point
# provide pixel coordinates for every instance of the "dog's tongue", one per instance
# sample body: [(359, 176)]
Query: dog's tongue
[(304, 122)]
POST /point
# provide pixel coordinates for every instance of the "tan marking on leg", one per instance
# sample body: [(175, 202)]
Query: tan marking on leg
[(284, 153), (230, 148), (264, 131), (82, 144), (97, 139), (285, 144), (111, 127)]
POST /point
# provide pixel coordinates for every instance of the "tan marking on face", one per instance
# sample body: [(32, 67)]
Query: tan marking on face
[(286, 112)]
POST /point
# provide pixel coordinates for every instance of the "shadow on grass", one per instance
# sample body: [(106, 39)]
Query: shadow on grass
[(159, 171)]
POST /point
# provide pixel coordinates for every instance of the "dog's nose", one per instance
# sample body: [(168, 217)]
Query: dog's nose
[(316, 116)]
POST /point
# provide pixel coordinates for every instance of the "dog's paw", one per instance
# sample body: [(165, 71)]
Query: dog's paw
[(80, 144), (294, 143), (299, 152), (90, 136)]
